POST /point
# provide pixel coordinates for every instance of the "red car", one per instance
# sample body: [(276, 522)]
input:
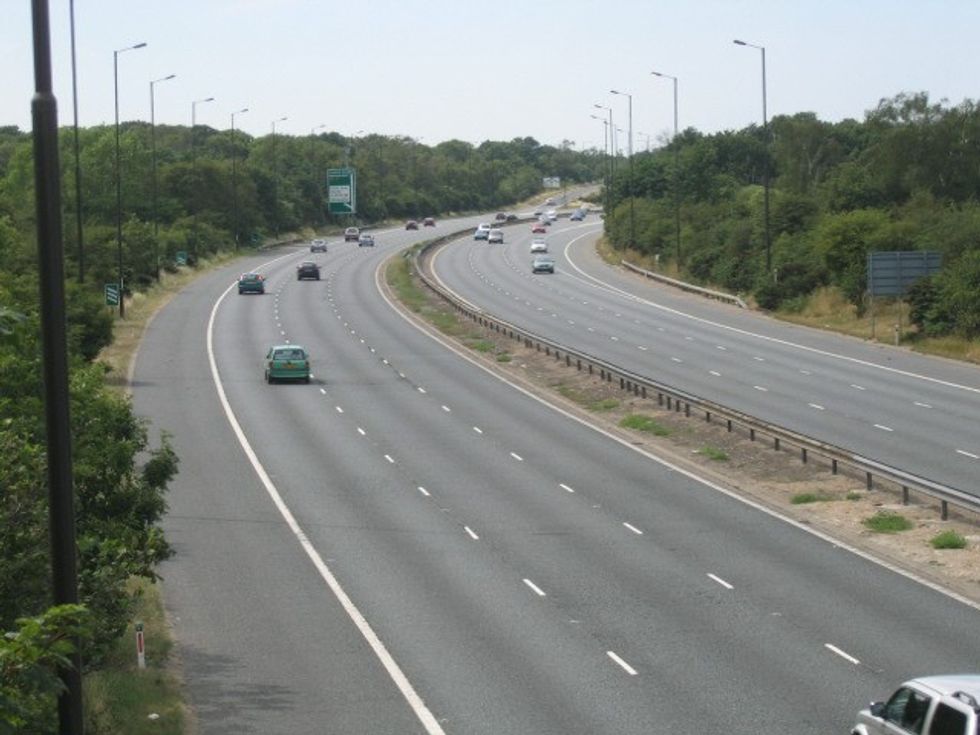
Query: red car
[(411, 225), (539, 227)]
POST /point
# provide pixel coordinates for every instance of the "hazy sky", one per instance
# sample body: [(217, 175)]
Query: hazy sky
[(477, 70)]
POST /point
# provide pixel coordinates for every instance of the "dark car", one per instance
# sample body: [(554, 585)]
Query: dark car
[(500, 217), (428, 222), (543, 264), (251, 283), (318, 246), (411, 225), (287, 362), (308, 269), (578, 215), (511, 217)]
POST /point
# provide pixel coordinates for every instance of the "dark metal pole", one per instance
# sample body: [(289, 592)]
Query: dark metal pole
[(115, 79), (194, 183), (677, 180), (51, 268), (765, 171), (234, 176), (153, 153), (78, 163)]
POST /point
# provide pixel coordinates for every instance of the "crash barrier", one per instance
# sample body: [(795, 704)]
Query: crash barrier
[(806, 448), (684, 286)]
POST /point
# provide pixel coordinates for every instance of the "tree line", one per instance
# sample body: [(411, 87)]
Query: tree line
[(907, 177)]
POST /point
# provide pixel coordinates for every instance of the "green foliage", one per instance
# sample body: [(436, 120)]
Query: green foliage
[(885, 521), (805, 498), (641, 422), (714, 453), (948, 539)]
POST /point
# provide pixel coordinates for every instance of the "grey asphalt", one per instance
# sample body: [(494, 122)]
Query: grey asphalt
[(906, 410), (500, 550)]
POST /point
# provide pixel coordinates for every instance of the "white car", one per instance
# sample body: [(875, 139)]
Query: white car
[(539, 246), (931, 705), (551, 214), (482, 231), (495, 236)]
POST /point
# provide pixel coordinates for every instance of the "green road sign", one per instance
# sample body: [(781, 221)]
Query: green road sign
[(342, 191), (181, 257), (112, 294)]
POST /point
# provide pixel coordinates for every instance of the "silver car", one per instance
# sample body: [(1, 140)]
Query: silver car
[(543, 264), (539, 246), (931, 705)]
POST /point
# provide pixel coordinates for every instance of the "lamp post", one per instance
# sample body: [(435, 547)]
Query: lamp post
[(612, 152), (194, 186), (275, 179), (605, 152), (153, 188), (765, 166), (115, 79), (629, 149), (677, 178), (316, 186), (234, 177), (78, 162)]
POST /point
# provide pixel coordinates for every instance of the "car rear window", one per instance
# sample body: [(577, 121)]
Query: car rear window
[(289, 355)]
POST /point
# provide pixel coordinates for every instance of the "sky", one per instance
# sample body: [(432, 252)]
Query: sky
[(476, 70)]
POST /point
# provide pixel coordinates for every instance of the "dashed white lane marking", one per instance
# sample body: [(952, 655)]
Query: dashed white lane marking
[(622, 664), (965, 453), (676, 359), (633, 528), (385, 362), (591, 329), (641, 347), (688, 338), (614, 338), (361, 431), (339, 409), (715, 373), (388, 457), (721, 347), (446, 408), (759, 387), (516, 456), (805, 372), (477, 429), (563, 486), (721, 581), (323, 391), (816, 406), (421, 389), (758, 359), (282, 332), (858, 387), (922, 405), (537, 590), (843, 654), (471, 533), (424, 492), (883, 427)]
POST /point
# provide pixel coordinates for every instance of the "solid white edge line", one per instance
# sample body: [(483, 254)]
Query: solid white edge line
[(622, 664), (537, 590), (965, 453), (826, 537), (843, 654), (883, 427), (721, 581), (416, 702)]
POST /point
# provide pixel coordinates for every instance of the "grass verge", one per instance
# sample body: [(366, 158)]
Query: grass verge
[(885, 521), (948, 540), (804, 498), (714, 453), (642, 422)]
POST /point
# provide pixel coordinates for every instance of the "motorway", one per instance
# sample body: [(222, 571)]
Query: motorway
[(409, 544), (906, 410)]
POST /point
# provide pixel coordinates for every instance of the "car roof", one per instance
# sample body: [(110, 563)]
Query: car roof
[(949, 684), (288, 347)]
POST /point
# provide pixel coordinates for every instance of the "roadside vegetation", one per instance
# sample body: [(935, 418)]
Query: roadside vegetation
[(886, 521)]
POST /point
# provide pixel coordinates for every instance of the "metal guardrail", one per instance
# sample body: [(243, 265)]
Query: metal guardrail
[(684, 286), (678, 401)]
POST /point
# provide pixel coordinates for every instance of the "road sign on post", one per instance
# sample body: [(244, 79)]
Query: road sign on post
[(342, 191), (112, 294), (140, 647)]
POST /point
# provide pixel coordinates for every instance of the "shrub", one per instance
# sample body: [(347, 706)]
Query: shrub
[(948, 540), (885, 521), (648, 424), (803, 498)]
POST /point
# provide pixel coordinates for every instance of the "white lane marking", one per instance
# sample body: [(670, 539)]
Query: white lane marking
[(424, 492), (843, 654), (720, 347), (323, 391), (614, 338), (858, 387), (384, 361), (965, 453), (421, 389), (759, 387), (633, 528), (470, 532), (428, 720), (805, 372), (922, 405), (446, 408), (715, 373), (816, 406), (518, 457), (563, 486), (622, 664), (388, 457), (883, 427), (361, 431), (339, 409), (641, 347), (537, 590), (758, 359), (477, 429), (676, 359), (688, 338), (721, 581), (591, 329)]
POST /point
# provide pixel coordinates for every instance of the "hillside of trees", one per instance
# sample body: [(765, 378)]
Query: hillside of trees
[(905, 178)]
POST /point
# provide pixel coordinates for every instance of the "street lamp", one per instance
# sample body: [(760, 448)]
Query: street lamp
[(153, 155), (765, 166), (316, 185), (234, 177), (194, 186), (677, 176), (605, 152), (115, 80), (275, 179), (629, 149), (78, 161), (612, 149)]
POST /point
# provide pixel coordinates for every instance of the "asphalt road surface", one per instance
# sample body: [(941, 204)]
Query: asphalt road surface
[(408, 544)]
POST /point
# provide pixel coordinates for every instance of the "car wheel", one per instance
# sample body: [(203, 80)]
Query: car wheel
[(268, 378), (307, 380)]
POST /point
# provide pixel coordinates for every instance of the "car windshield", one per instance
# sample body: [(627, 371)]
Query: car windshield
[(289, 354)]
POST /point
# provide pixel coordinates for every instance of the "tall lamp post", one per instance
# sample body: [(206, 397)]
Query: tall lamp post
[(275, 178), (605, 152), (153, 188), (194, 186), (115, 79), (765, 167), (78, 161), (677, 177), (234, 177), (316, 185), (629, 149)]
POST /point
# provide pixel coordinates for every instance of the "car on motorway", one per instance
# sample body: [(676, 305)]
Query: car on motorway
[(578, 215), (550, 202), (543, 264), (307, 270), (538, 212), (930, 705), (351, 234), (287, 362), (411, 225), (500, 217), (365, 241), (495, 236), (551, 215), (429, 222), (251, 283), (538, 228), (511, 217), (318, 246), (482, 231), (539, 246)]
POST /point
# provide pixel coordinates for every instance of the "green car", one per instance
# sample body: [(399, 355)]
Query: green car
[(287, 362), (251, 283)]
